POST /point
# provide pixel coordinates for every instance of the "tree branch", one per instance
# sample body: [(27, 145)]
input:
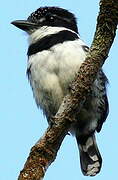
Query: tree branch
[(45, 151)]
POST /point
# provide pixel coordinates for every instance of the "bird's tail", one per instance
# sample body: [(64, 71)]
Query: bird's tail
[(90, 158)]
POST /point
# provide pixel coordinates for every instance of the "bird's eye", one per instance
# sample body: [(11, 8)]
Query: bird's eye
[(49, 17)]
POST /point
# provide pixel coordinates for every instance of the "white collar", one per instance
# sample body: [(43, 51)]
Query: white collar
[(46, 30)]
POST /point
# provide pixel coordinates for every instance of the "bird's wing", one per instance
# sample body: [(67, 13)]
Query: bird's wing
[(103, 106)]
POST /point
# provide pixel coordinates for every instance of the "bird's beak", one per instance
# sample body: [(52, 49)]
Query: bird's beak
[(24, 25)]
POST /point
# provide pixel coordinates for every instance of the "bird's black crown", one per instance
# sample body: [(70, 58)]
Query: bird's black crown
[(54, 16)]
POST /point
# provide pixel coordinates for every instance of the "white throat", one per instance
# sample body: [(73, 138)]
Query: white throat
[(45, 31)]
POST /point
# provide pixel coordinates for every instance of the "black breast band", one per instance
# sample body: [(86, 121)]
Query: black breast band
[(48, 41)]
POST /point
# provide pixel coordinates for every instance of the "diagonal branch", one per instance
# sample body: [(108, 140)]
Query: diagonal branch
[(45, 151)]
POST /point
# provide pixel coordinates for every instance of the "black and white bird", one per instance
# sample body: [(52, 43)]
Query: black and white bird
[(55, 55)]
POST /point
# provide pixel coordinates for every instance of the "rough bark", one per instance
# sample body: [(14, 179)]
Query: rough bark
[(45, 151)]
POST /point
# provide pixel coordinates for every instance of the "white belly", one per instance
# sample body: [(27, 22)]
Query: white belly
[(52, 71)]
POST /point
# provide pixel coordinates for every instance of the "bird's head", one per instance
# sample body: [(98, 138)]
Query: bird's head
[(48, 16)]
